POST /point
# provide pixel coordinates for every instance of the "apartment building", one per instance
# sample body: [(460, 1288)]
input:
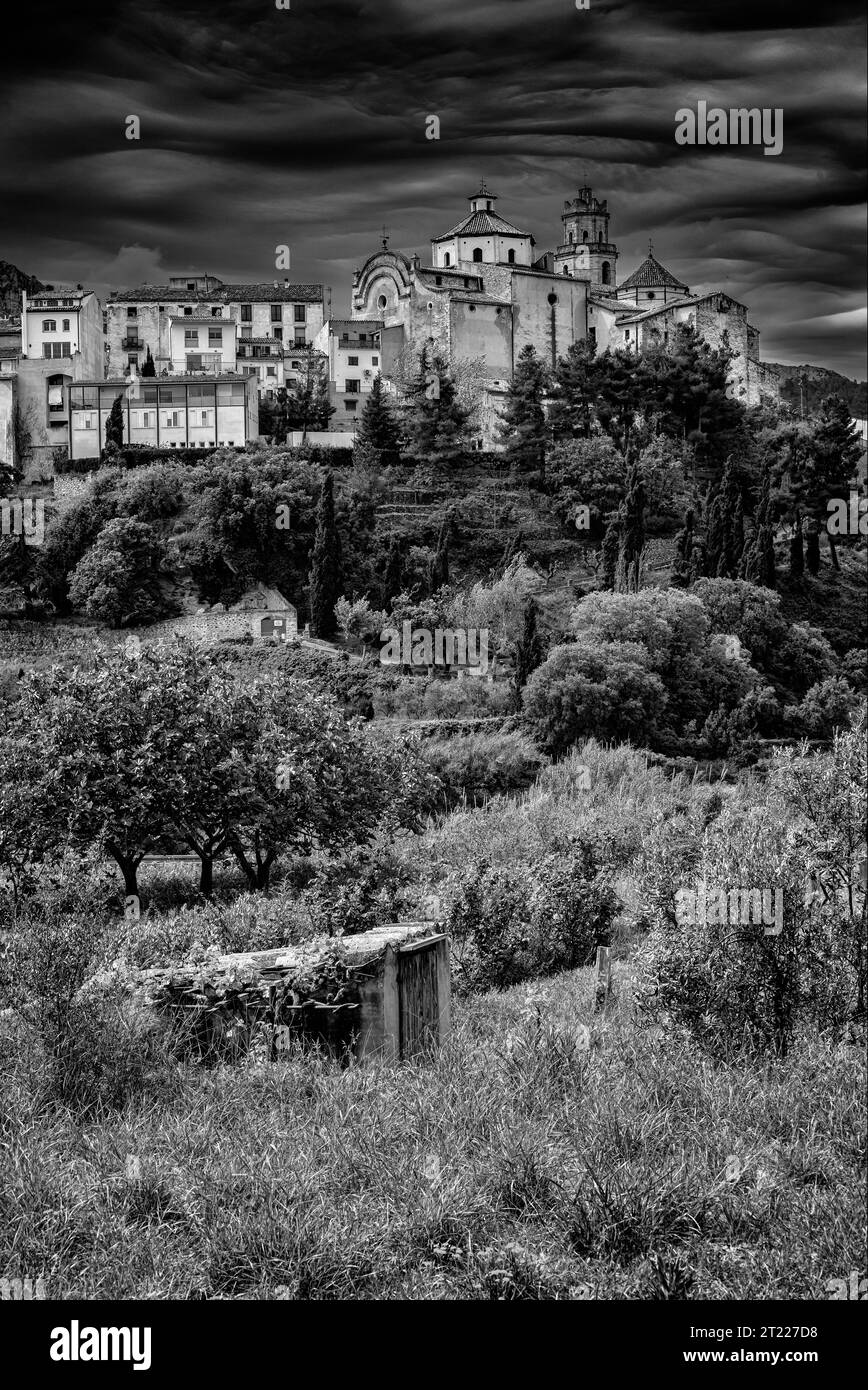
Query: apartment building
[(142, 319), (60, 340), (352, 347), (204, 410)]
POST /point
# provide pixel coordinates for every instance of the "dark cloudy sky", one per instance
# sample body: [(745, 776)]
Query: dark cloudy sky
[(307, 127)]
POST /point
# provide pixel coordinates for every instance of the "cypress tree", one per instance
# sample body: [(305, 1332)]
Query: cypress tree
[(439, 571), (325, 572), (633, 528), (797, 549), (393, 576), (148, 367), (812, 548), (114, 425), (528, 650), (610, 551), (682, 570)]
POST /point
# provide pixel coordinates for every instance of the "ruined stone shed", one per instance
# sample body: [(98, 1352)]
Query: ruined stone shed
[(383, 993)]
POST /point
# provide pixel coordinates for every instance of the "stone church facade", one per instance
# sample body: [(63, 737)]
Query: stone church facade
[(487, 293)]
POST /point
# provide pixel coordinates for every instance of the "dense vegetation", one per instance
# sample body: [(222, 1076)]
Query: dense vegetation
[(644, 558)]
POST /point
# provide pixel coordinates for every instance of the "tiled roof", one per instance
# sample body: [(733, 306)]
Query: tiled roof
[(479, 223), (650, 275), (210, 319), (221, 294)]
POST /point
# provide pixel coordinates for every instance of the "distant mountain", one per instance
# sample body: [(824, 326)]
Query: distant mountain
[(12, 282), (818, 382)]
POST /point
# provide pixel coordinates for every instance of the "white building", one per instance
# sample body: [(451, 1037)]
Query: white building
[(175, 412), (202, 344), (352, 347), (141, 320)]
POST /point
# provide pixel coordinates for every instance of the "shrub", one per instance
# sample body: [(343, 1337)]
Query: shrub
[(475, 766), (507, 925), (736, 987)]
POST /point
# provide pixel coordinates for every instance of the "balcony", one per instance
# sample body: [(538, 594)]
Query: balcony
[(132, 344)]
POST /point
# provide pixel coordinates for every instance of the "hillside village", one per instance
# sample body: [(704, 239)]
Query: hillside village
[(408, 722)]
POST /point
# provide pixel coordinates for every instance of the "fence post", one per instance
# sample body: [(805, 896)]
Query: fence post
[(603, 981)]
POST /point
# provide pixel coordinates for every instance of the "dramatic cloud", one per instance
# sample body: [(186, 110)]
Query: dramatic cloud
[(307, 126)]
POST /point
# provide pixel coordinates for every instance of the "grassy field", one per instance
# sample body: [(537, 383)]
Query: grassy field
[(529, 1160)]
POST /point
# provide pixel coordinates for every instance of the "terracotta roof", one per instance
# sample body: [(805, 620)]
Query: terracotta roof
[(210, 319), (650, 275), (221, 294), (479, 223)]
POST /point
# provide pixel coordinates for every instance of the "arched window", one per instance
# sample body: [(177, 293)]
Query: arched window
[(49, 325), (600, 238), (572, 238), (566, 270), (584, 236), (477, 253), (606, 273), (447, 259), (511, 257)]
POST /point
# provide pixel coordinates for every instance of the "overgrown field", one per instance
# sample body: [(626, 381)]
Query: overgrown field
[(519, 1164)]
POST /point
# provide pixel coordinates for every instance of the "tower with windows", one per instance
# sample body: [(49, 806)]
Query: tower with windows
[(586, 251)]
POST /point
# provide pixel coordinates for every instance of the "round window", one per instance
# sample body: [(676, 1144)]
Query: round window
[(553, 299), (381, 301)]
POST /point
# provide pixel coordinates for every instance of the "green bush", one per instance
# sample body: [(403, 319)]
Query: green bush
[(508, 925), (738, 987), (471, 767)]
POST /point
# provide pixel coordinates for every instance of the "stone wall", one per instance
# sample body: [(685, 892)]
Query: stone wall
[(213, 626)]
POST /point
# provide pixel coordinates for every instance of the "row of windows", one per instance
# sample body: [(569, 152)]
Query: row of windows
[(198, 394), (354, 361), (299, 313), (50, 326), (57, 349), (191, 337), (572, 238), (477, 256)]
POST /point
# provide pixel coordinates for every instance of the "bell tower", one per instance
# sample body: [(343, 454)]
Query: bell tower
[(586, 251)]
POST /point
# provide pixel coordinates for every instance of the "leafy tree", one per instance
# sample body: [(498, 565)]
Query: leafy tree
[(117, 580), (580, 691), (586, 472), (377, 437), (523, 423), (102, 745), (325, 572)]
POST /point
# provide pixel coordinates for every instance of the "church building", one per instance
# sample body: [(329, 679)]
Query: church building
[(486, 293), (482, 297)]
